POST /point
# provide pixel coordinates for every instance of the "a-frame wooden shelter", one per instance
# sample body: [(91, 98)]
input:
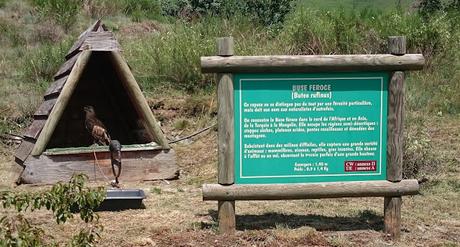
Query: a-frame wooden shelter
[(57, 145)]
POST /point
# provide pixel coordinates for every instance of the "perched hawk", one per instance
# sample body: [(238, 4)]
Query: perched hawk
[(95, 127)]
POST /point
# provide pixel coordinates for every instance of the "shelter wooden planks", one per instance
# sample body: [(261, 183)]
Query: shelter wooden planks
[(55, 87), (45, 108), (24, 150), (76, 46), (100, 41), (35, 128), (154, 165), (66, 67)]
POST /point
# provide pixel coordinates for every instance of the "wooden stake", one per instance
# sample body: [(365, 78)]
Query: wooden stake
[(138, 99), (227, 220), (392, 216), (226, 209), (225, 129), (61, 103), (392, 205), (395, 123)]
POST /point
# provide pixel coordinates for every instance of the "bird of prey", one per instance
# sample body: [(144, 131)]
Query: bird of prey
[(95, 127)]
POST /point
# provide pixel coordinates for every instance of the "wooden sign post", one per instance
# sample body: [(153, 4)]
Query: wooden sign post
[(309, 127)]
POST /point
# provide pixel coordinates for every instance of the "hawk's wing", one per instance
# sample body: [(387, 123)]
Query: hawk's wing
[(97, 130)]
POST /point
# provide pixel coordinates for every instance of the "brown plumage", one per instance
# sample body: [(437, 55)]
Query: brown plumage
[(95, 127)]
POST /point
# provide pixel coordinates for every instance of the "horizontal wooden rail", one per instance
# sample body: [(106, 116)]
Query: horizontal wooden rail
[(309, 190), (311, 63)]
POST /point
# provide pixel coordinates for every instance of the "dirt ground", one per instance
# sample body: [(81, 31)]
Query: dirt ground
[(176, 215)]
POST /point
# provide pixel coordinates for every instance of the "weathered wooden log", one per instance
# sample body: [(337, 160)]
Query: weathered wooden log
[(392, 216), (226, 138), (395, 140), (226, 216), (132, 88), (225, 121), (395, 122), (309, 190), (311, 63), (61, 102), (397, 45)]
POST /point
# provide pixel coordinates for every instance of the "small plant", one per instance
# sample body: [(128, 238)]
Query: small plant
[(10, 34), (64, 12), (181, 124), (62, 200), (155, 190), (419, 157), (44, 62), (142, 9)]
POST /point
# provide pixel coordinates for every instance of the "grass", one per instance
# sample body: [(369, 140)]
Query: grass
[(356, 4)]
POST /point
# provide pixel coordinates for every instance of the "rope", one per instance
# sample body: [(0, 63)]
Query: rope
[(192, 135), (96, 163)]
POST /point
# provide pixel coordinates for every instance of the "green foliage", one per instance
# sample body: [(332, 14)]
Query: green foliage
[(10, 34), (173, 57), (62, 200), (64, 12), (173, 7), (17, 231), (86, 237), (142, 9), (103, 8), (266, 12), (155, 190), (44, 62), (269, 12), (429, 7), (419, 158)]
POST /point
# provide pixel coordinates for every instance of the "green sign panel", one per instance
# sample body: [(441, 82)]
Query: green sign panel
[(315, 127)]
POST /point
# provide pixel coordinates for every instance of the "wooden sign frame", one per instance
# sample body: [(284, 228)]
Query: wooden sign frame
[(226, 192)]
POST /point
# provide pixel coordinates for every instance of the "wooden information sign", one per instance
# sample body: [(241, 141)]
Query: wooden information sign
[(309, 127)]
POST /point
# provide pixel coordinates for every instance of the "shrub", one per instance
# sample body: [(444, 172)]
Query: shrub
[(429, 7), (173, 7), (62, 200), (269, 12), (103, 8), (3, 3), (419, 157), (44, 62), (64, 12), (142, 9), (10, 34), (266, 12)]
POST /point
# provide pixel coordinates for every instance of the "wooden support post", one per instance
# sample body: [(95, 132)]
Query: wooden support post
[(226, 209), (132, 88), (61, 103), (392, 205)]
